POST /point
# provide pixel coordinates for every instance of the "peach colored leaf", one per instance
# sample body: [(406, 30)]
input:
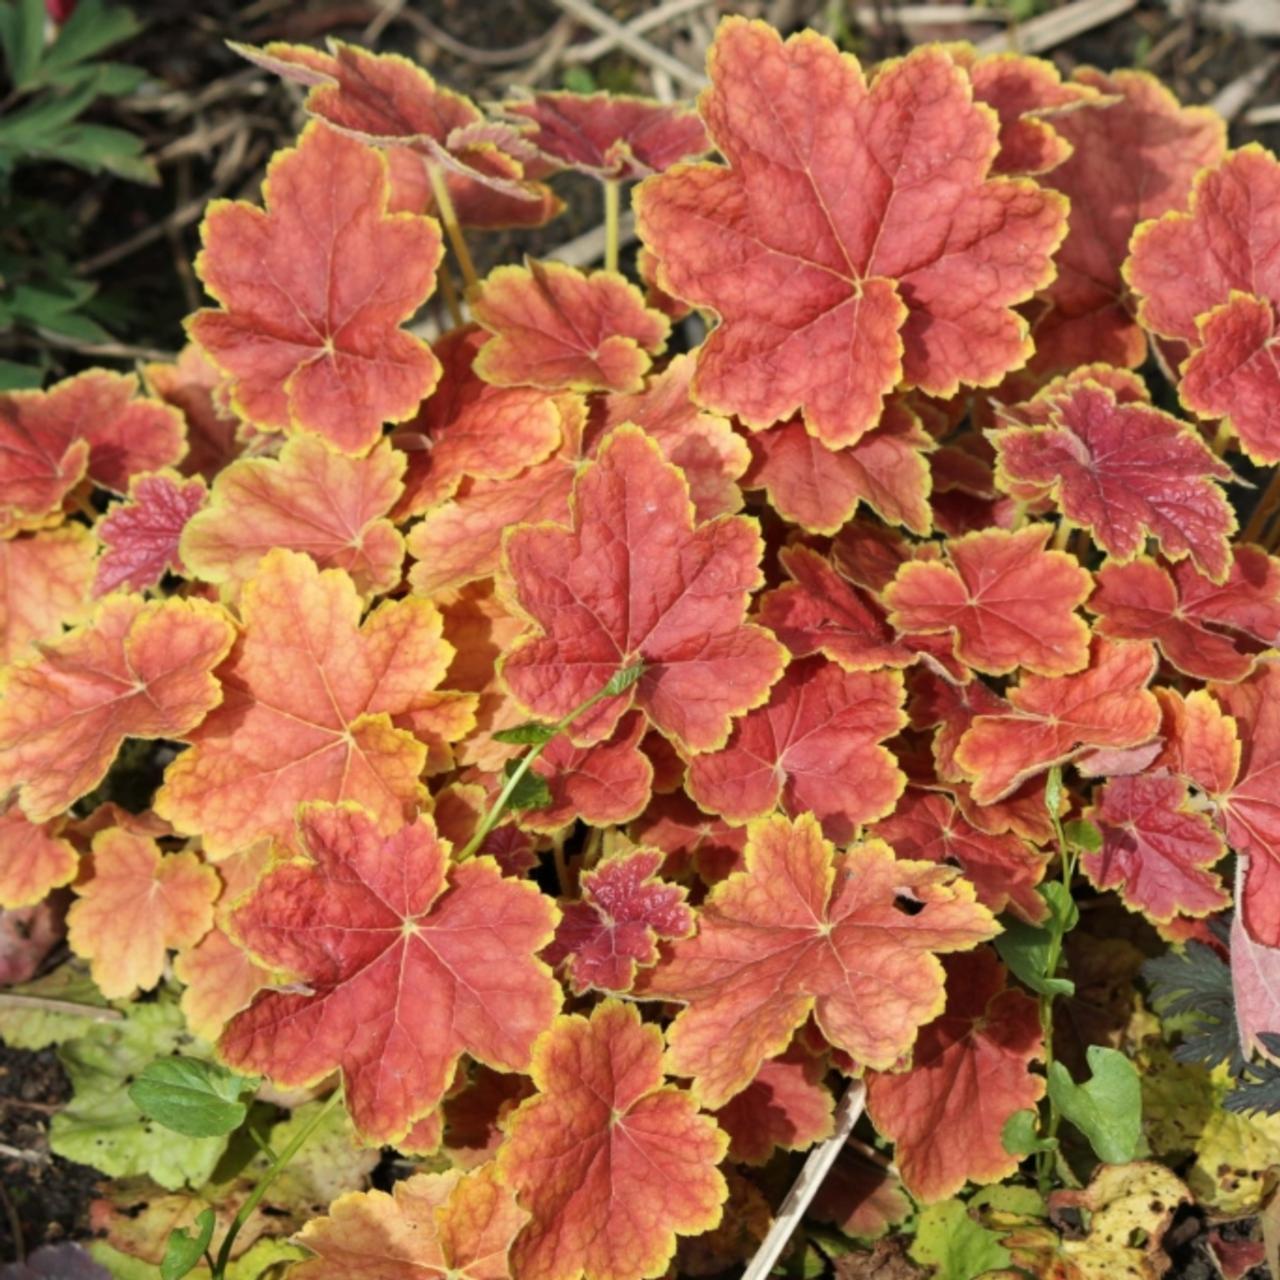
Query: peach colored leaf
[(408, 963), (804, 930), (311, 498), (313, 701), (434, 1226), (560, 329), (34, 859), (786, 1106), (136, 670), (44, 584), (137, 904), (603, 1131)]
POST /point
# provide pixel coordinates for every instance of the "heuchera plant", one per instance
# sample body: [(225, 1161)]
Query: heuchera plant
[(576, 765)]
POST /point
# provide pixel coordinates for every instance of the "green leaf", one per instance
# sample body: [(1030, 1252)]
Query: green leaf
[(1020, 1135), (1082, 834), (65, 1005), (531, 733), (197, 1099), (1107, 1108), (1025, 947), (957, 1247), (93, 28), (183, 1251), (102, 1126), (22, 34), (19, 377), (623, 680), (531, 792)]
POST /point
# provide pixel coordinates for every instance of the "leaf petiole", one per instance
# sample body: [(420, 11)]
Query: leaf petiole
[(538, 737)]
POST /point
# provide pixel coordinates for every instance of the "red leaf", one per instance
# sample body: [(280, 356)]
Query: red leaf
[(845, 258), (819, 612), (1155, 849), (970, 1071), (1255, 980), (1204, 629), (603, 784), (674, 824), (786, 1106), (193, 386), (94, 424), (1123, 471), (1004, 870), (610, 136), (309, 326), (137, 670), (603, 1131), (141, 535), (409, 967), (560, 329), (635, 579), (1132, 160), (813, 748), (1051, 719), (1009, 602), (801, 929), (624, 910)]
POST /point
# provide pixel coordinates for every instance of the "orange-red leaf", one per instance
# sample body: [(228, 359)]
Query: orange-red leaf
[(820, 488), (34, 858), (560, 329), (610, 136), (141, 535), (1003, 868), (1204, 629), (813, 748), (410, 963), (137, 670), (1052, 719), (311, 498), (313, 292), (193, 386), (434, 1226), (970, 1071), (635, 579), (94, 424), (604, 1132), (1133, 159), (44, 584), (853, 239), (625, 909), (802, 929), (674, 824), (1009, 602), (136, 905), (311, 694), (1124, 472), (469, 428), (1155, 850)]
